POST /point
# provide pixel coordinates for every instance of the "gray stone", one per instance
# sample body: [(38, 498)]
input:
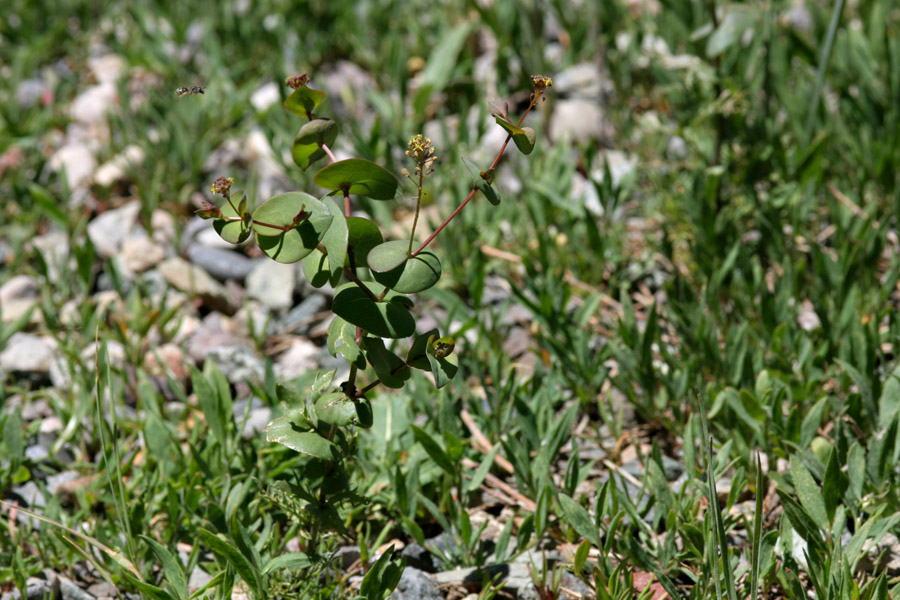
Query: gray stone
[(30, 91), (70, 590), (193, 280), (214, 331), (418, 558), (579, 120), (54, 481), (272, 283), (199, 578), (28, 354), (77, 161), (140, 252), (416, 585), (265, 96), (256, 422), (237, 363), (108, 230), (54, 248), (117, 168), (36, 453), (30, 494), (584, 80), (301, 314), (91, 105), (302, 356), (102, 590), (221, 263), (37, 589), (18, 296)]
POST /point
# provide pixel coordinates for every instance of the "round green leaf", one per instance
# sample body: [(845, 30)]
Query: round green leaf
[(363, 236), (234, 232), (488, 190), (388, 256), (335, 409), (315, 268), (336, 241), (390, 368), (358, 176), (279, 211), (304, 101), (392, 268), (388, 318), (307, 146), (525, 140)]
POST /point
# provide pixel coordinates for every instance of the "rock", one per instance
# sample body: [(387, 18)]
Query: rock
[(77, 161), (91, 105), (199, 578), (57, 480), (167, 359), (301, 357), (418, 558), (108, 230), (583, 80), (193, 280), (215, 330), (347, 86), (620, 166), (883, 556), (676, 148), (37, 589), (579, 120), (54, 249), (265, 97), (272, 283), (18, 296), (102, 591), (222, 263), (70, 590), (162, 227), (301, 314), (515, 577), (28, 354), (29, 494), (237, 363), (116, 169), (139, 253), (107, 68), (30, 91), (416, 585)]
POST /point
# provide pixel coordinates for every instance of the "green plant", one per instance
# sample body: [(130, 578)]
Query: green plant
[(373, 279)]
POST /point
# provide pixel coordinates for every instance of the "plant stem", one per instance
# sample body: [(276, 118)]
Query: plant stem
[(412, 234), (328, 152), (534, 99), (352, 277)]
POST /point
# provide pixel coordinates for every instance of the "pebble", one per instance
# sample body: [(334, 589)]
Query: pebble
[(272, 283), (222, 263), (416, 585), (28, 354), (265, 97), (302, 356), (191, 279), (91, 105), (77, 161), (30, 91), (110, 229), (579, 120), (237, 363), (116, 169), (18, 296), (167, 359), (214, 330), (301, 314), (54, 249), (582, 80), (256, 422), (140, 253), (70, 590), (30, 494)]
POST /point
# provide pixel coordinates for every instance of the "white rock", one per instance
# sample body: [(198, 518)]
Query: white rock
[(193, 280), (109, 230), (107, 68), (20, 287), (808, 319), (579, 120), (272, 283), (140, 253), (27, 353), (77, 161), (266, 96), (300, 358), (116, 169), (91, 105)]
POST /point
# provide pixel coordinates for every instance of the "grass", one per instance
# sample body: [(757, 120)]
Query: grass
[(676, 326)]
